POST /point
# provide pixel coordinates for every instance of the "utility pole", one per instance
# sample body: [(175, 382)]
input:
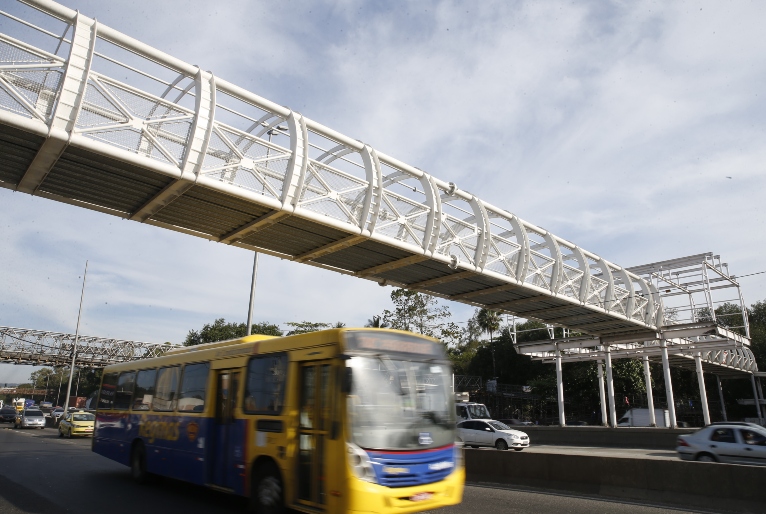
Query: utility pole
[(76, 339)]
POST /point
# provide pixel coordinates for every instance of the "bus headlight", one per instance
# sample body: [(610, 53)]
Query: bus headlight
[(360, 463)]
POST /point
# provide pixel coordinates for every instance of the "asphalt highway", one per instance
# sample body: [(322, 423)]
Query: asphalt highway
[(43, 474)]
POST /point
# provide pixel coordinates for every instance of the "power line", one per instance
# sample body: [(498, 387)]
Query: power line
[(749, 274)]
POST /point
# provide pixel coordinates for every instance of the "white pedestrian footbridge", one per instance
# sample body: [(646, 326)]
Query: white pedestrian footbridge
[(92, 117), (43, 348)]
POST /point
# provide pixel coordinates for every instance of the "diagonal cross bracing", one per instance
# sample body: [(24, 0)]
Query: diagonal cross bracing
[(165, 143), (42, 348)]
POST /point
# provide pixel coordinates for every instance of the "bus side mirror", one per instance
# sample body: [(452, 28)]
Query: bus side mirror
[(345, 384)]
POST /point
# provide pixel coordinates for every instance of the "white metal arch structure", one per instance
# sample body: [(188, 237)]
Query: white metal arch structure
[(40, 348), (92, 117)]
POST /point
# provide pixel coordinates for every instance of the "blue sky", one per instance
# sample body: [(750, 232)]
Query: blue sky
[(612, 124)]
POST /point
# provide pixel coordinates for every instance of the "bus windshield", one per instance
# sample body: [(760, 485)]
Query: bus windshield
[(400, 404)]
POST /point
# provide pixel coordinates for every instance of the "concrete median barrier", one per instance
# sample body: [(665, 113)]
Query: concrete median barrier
[(713, 486), (623, 437)]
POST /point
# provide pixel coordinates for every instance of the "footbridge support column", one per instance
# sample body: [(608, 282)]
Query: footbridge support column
[(668, 384), (649, 396), (755, 395), (610, 389), (560, 389), (720, 397), (602, 394), (703, 393)]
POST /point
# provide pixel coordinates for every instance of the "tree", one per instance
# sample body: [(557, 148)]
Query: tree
[(376, 322), (219, 330), (55, 380), (489, 321), (422, 314), (304, 327)]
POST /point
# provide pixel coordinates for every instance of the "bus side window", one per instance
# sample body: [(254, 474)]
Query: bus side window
[(106, 393), (124, 392), (193, 387), (165, 393), (144, 389), (265, 387)]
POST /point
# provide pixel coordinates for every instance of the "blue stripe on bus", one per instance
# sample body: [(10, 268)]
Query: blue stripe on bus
[(403, 469), (179, 446)]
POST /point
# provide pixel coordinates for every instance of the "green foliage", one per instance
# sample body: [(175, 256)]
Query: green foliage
[(757, 317), (304, 327), (422, 314), (219, 330), (727, 315), (55, 380), (489, 321), (49, 376), (376, 322)]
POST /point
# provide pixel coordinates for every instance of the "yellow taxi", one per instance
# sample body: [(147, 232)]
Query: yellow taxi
[(77, 423)]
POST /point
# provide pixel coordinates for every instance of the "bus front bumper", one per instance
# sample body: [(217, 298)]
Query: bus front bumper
[(371, 498)]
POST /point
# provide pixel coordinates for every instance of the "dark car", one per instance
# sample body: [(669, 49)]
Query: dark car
[(54, 417), (7, 414)]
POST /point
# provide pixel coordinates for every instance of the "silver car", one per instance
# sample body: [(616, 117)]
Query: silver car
[(29, 418), (488, 432), (735, 443)]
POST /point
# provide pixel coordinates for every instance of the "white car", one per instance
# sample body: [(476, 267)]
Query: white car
[(735, 443), (475, 433)]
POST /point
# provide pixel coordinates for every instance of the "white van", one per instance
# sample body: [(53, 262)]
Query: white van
[(640, 418)]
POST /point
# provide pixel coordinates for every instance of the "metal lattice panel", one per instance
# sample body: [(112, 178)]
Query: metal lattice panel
[(131, 131), (37, 347)]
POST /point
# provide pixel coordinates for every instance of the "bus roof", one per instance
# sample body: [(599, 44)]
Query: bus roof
[(218, 344), (253, 344)]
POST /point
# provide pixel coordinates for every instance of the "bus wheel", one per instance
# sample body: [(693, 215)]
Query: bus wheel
[(266, 493), (138, 463)]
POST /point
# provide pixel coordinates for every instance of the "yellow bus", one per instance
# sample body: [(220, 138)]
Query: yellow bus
[(342, 420)]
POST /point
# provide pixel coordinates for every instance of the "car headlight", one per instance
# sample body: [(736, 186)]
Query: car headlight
[(360, 463), (514, 436)]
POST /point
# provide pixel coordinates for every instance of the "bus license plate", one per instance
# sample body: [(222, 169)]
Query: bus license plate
[(420, 497)]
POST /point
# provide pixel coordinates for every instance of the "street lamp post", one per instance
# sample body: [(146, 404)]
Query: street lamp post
[(278, 129), (76, 339)]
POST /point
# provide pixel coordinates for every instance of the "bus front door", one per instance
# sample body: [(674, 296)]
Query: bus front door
[(313, 434), (226, 449)]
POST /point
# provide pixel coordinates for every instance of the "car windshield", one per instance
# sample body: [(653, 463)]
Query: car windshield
[(498, 426), (34, 414), (83, 417), (478, 411), (399, 404)]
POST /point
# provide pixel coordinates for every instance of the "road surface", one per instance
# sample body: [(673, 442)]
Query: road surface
[(42, 474)]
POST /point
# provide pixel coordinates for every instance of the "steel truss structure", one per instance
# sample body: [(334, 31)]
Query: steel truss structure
[(94, 118), (40, 348), (705, 333)]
